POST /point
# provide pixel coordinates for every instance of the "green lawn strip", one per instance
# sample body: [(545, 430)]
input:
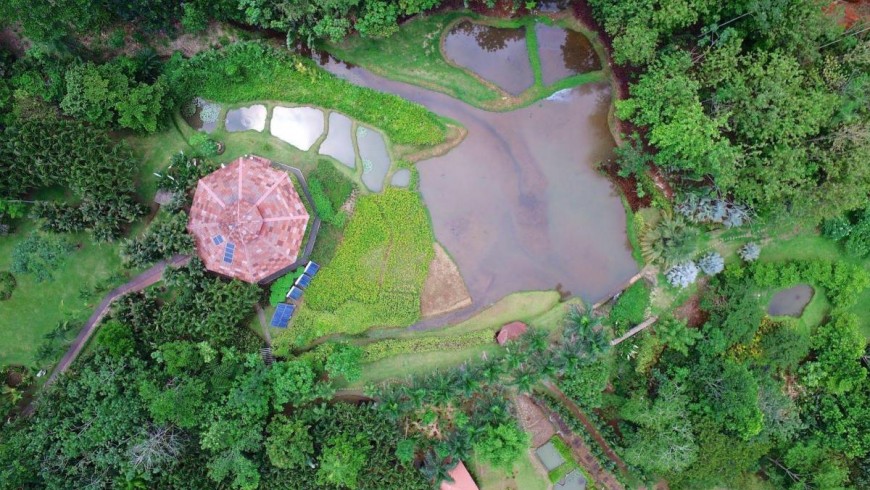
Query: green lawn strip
[(250, 71), (35, 308), (410, 364), (534, 53), (523, 476), (528, 306)]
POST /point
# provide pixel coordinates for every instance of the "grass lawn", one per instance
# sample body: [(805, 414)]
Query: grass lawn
[(813, 246), (523, 477), (413, 55), (36, 308), (541, 309)]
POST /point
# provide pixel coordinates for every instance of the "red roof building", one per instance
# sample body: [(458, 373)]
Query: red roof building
[(461, 479), (247, 219), (510, 332)]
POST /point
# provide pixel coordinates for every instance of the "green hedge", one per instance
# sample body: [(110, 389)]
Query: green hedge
[(249, 71), (392, 347)]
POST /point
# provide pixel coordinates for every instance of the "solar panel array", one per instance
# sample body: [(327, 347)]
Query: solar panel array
[(295, 293), (229, 252), (304, 281), (218, 239), (282, 315), (312, 268)]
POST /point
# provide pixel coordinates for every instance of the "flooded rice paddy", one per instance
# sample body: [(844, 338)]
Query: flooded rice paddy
[(299, 126), (564, 53), (791, 301), (519, 204), (496, 54), (339, 143), (246, 118), (401, 178), (374, 156)]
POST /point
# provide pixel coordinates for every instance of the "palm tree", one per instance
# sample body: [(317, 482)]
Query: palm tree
[(670, 242)]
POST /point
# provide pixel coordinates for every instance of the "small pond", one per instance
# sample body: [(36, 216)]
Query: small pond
[(496, 54), (246, 118), (401, 178), (375, 157), (563, 53), (338, 143), (299, 126), (791, 301), (201, 114)]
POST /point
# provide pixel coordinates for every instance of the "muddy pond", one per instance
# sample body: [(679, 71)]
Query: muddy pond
[(791, 301), (519, 204), (496, 54)]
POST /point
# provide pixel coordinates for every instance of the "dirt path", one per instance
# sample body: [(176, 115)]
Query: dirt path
[(603, 478), (261, 315), (575, 410), (142, 281)]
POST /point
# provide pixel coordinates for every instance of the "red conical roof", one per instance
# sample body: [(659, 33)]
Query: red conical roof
[(247, 220)]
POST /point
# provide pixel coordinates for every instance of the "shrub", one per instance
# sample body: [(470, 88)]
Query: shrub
[(278, 290), (40, 254), (188, 109), (321, 201), (630, 307), (7, 285), (711, 263), (704, 209), (209, 111), (203, 145), (858, 243), (750, 252), (836, 228), (682, 274), (336, 185)]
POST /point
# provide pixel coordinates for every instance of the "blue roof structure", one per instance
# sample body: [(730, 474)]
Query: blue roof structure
[(295, 293), (218, 239), (282, 315), (311, 268), (229, 252), (304, 281)]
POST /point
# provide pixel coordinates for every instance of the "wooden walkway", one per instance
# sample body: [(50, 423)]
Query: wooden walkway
[(142, 281)]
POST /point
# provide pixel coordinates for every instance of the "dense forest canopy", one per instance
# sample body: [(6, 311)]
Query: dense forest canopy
[(769, 100)]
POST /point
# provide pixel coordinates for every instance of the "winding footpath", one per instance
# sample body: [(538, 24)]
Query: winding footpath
[(138, 283)]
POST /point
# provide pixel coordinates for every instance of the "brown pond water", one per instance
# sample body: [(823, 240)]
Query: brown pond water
[(518, 204), (791, 301), (498, 55), (563, 53)]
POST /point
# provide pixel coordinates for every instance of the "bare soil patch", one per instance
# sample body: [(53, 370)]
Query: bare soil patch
[(691, 310), (534, 420), (444, 290)]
